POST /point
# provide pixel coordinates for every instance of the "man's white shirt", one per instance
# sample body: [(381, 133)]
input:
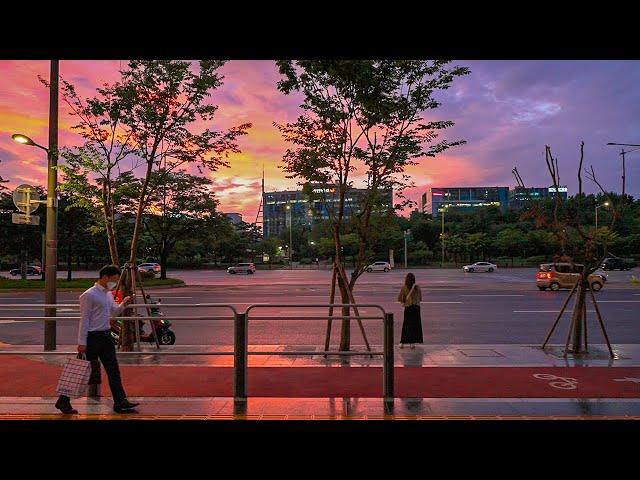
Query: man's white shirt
[(97, 306)]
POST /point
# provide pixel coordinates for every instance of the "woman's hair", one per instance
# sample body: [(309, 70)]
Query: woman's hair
[(410, 280)]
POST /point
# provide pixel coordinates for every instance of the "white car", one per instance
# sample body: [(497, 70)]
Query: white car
[(480, 267), (379, 267), (248, 268), (149, 266)]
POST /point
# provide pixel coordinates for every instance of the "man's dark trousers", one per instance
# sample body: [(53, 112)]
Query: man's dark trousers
[(100, 346)]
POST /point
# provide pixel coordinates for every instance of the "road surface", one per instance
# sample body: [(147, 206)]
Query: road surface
[(458, 308)]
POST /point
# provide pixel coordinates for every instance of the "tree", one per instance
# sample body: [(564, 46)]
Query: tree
[(510, 241), (579, 242), (179, 206), (364, 116), (74, 228), (2, 180), (162, 99), (91, 168)]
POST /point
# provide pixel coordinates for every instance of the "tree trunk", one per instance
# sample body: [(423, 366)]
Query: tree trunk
[(577, 332), (69, 263), (108, 213), (163, 263)]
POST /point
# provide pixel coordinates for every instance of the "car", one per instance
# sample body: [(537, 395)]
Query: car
[(480, 267), (31, 270), (379, 267), (615, 263), (149, 266), (248, 268), (555, 276)]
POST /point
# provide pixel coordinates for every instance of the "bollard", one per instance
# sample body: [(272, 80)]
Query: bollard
[(240, 356), (388, 361)]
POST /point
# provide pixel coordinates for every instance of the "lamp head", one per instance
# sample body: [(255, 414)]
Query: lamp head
[(23, 139)]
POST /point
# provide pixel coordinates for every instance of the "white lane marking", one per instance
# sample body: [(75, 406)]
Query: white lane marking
[(169, 296), (548, 311), (563, 383), (618, 301), (490, 295), (17, 321), (443, 302)]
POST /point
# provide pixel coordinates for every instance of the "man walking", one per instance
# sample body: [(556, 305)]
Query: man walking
[(97, 306)]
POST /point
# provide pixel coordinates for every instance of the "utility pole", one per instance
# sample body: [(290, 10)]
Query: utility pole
[(442, 238), (623, 173), (51, 255), (405, 248)]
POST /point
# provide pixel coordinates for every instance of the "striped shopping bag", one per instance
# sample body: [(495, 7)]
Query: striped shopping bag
[(75, 377)]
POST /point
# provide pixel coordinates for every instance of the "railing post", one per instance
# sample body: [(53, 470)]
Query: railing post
[(240, 355), (388, 360)]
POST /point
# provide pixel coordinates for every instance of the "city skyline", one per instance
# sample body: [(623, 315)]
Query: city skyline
[(506, 110)]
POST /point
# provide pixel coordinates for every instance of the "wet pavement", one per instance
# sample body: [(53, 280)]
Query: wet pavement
[(355, 408)]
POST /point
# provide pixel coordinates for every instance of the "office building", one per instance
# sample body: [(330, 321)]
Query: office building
[(464, 199), (309, 205), (519, 196)]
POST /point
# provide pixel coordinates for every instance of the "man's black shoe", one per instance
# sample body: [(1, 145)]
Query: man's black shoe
[(125, 405), (125, 410), (65, 407)]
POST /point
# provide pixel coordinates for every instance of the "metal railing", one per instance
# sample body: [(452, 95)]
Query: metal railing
[(241, 328)]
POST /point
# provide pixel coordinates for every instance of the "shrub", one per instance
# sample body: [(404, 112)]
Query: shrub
[(536, 260), (147, 275)]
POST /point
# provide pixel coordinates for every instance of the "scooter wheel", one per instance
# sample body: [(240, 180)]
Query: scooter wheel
[(168, 338)]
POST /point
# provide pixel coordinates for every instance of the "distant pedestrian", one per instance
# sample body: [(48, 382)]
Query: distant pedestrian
[(411, 296), (97, 306)]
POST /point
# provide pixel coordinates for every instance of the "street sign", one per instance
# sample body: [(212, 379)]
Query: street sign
[(26, 199), (24, 219)]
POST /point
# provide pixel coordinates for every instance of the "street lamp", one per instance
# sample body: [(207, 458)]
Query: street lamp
[(290, 238), (622, 154), (605, 204), (51, 254), (24, 140), (442, 210)]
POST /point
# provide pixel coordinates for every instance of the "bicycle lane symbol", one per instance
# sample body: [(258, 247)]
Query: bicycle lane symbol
[(562, 383)]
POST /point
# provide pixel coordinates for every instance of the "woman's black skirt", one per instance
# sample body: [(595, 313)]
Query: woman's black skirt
[(412, 325)]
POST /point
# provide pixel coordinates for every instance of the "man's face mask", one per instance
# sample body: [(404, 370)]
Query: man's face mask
[(111, 285)]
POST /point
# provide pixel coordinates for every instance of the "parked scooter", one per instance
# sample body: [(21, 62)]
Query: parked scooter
[(166, 336)]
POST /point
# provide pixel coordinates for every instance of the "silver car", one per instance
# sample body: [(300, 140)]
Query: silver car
[(480, 267), (379, 267), (248, 268)]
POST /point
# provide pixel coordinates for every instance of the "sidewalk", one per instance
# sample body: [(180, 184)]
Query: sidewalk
[(455, 381)]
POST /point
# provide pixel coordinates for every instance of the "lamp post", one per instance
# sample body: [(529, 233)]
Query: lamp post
[(406, 234), (442, 237), (605, 204), (622, 154), (51, 253), (290, 237)]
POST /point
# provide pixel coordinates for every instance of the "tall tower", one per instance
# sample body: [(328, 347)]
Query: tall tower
[(260, 214)]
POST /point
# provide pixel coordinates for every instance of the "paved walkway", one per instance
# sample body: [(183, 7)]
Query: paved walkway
[(520, 356)]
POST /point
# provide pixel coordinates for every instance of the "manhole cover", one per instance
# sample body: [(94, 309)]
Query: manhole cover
[(480, 352)]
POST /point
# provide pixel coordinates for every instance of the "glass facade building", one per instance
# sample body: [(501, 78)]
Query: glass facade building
[(304, 209), (518, 197), (464, 199)]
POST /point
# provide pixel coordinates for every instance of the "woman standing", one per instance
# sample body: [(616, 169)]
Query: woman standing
[(410, 296)]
